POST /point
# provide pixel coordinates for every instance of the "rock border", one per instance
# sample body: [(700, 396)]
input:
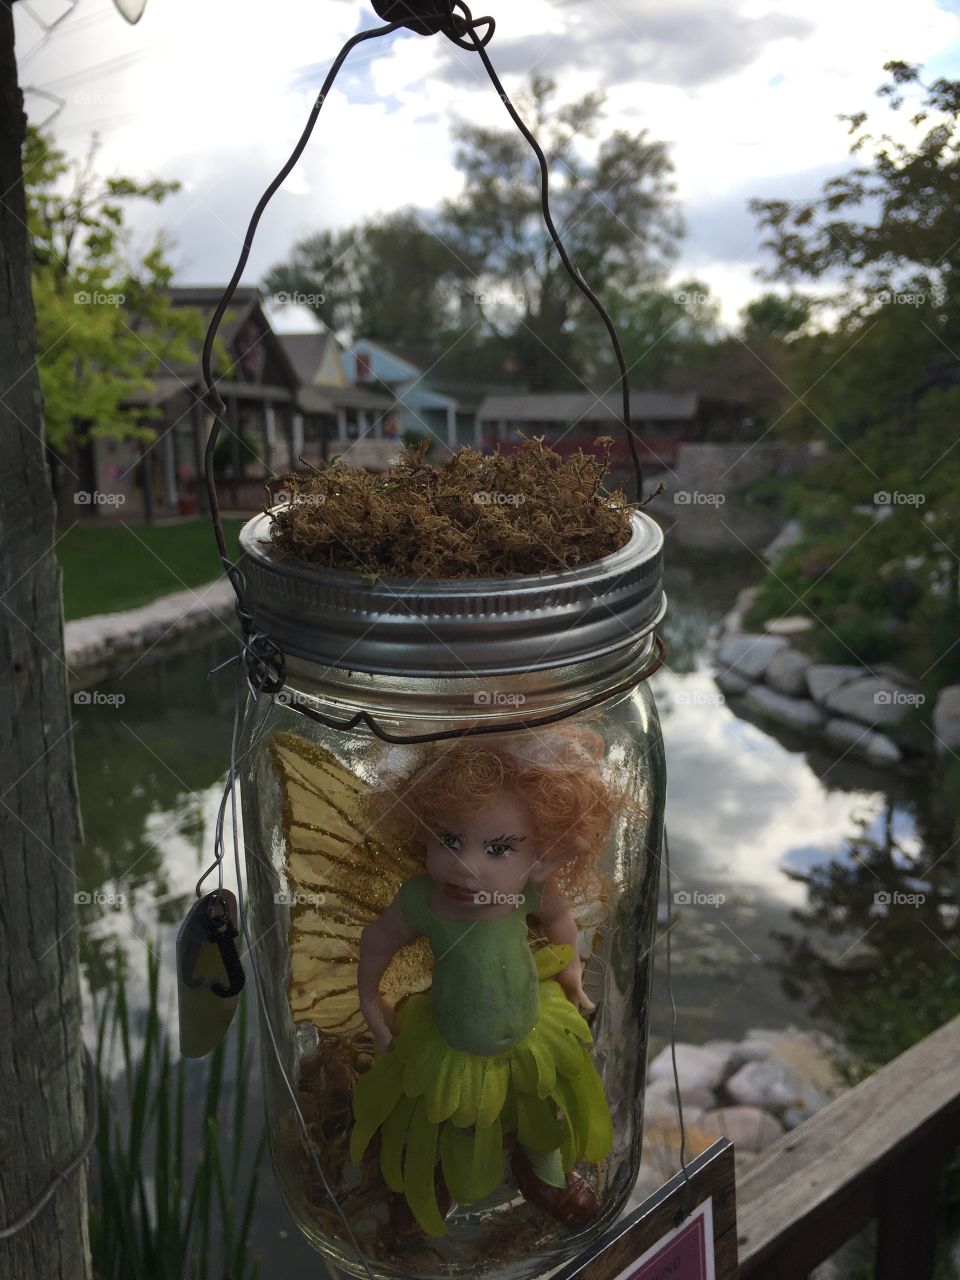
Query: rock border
[(98, 647), (751, 1091), (854, 707)]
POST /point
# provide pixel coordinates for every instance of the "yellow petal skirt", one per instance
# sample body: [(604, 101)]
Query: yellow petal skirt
[(430, 1101)]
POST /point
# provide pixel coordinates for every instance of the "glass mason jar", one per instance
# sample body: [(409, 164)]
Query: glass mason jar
[(324, 861)]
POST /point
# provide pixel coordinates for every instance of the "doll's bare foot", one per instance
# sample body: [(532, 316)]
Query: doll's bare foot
[(576, 1204)]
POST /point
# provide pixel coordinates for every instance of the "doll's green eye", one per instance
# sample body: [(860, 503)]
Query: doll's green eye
[(497, 850), (449, 840)]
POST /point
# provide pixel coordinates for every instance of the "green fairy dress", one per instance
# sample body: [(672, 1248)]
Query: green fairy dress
[(494, 1047)]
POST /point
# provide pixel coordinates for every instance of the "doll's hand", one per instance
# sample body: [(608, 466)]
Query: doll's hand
[(571, 979), (378, 1015)]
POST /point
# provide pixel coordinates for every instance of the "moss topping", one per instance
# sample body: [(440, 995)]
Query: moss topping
[(476, 515)]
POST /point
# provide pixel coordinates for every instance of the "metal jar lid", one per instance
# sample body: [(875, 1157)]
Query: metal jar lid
[(443, 627)]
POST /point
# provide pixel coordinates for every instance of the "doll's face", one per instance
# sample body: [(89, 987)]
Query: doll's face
[(482, 858)]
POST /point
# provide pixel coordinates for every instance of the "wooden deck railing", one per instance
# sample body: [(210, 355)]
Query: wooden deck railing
[(875, 1153)]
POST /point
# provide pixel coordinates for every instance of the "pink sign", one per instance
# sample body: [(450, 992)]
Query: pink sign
[(684, 1254)]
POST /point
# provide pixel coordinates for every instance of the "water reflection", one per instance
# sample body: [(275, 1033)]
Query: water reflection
[(150, 754), (749, 805), (876, 952)]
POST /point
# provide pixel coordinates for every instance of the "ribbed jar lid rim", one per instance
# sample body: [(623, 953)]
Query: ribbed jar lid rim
[(444, 627)]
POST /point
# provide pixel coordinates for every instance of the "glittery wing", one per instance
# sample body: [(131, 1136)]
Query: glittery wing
[(339, 881)]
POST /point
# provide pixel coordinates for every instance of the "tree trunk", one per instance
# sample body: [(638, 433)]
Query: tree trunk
[(43, 1118)]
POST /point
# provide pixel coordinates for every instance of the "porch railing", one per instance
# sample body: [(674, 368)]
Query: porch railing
[(874, 1154)]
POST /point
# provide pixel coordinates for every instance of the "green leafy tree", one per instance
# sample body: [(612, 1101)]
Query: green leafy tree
[(391, 279), (880, 387), (662, 331), (615, 213), (321, 273), (105, 324), (774, 316)]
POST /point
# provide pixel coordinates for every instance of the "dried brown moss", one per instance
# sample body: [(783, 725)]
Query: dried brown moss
[(476, 515)]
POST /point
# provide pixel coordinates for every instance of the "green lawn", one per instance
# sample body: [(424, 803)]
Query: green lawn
[(110, 567)]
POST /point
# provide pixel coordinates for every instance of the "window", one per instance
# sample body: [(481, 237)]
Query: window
[(363, 366)]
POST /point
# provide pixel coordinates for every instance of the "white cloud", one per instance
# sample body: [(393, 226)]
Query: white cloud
[(742, 823), (745, 93)]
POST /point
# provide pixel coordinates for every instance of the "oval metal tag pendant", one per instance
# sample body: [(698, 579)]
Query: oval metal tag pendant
[(210, 976)]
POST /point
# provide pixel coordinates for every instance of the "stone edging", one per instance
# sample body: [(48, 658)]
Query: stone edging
[(105, 644), (853, 707)]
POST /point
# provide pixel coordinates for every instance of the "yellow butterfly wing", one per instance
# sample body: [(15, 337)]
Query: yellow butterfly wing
[(340, 881)]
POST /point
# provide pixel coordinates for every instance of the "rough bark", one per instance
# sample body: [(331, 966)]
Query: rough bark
[(42, 1107)]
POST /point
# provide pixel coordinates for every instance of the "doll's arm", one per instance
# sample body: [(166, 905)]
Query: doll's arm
[(560, 926), (379, 943)]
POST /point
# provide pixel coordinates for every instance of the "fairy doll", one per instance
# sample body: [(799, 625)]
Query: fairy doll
[(495, 1055)]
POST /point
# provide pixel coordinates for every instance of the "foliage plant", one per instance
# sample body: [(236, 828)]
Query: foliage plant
[(877, 384), (170, 1196)]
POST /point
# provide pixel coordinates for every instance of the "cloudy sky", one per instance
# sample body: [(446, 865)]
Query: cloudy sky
[(746, 93)]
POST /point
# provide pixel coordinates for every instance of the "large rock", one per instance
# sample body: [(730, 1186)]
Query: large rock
[(872, 746), (822, 679), (794, 624), (660, 1100), (697, 1067), (739, 1052), (946, 718), (751, 1050), (811, 1101), (895, 674), (749, 654), (796, 713), (812, 1054), (748, 1128), (788, 673), (801, 1062), (872, 701), (730, 683), (661, 1146), (774, 1086)]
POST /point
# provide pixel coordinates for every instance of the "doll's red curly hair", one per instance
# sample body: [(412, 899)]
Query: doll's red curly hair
[(558, 777)]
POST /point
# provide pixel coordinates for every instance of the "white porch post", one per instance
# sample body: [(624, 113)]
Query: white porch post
[(363, 422), (297, 437), (341, 424), (169, 465), (452, 426), (269, 433)]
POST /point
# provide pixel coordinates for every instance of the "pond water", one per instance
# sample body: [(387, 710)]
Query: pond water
[(748, 810)]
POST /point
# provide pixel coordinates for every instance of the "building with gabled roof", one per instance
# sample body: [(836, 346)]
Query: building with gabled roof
[(257, 382), (660, 421), (428, 400), (287, 397)]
